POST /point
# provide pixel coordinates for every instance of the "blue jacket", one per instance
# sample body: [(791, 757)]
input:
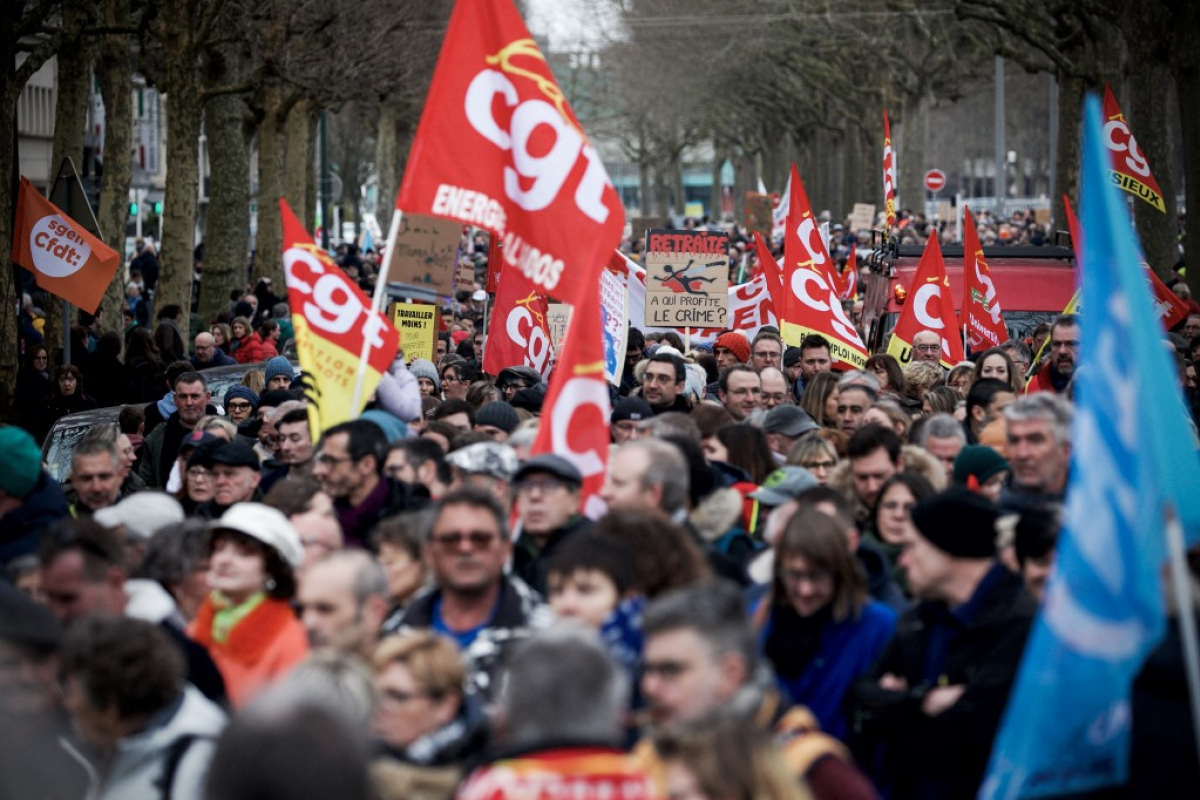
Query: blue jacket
[(847, 650)]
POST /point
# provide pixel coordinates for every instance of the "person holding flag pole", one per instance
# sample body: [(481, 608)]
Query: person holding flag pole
[(1134, 473)]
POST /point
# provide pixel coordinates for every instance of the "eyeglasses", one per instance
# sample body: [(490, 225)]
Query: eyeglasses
[(242, 406), (451, 379), (812, 466), (543, 485), (768, 355), (928, 348), (325, 458), (453, 541), (199, 474), (795, 576)]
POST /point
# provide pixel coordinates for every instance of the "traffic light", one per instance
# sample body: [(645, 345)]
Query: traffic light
[(133, 209), (158, 208)]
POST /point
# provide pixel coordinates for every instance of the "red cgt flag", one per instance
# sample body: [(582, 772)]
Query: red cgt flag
[(518, 333), (65, 259), (981, 310), (810, 303), (499, 147), (847, 279), (575, 424), (929, 307), (889, 174), (1130, 169)]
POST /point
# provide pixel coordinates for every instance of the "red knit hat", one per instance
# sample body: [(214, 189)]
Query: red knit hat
[(736, 343)]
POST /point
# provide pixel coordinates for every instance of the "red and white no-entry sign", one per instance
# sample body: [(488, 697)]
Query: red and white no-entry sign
[(935, 180)]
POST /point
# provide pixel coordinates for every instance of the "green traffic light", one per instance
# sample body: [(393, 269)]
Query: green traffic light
[(133, 209), (158, 208)]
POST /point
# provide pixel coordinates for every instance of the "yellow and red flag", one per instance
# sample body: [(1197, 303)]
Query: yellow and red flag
[(929, 308), (981, 313), (575, 417), (65, 259), (1130, 169), (810, 303), (332, 318), (847, 278), (889, 174), (499, 147), (518, 334)]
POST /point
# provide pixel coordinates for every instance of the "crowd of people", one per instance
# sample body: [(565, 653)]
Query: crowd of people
[(807, 583)]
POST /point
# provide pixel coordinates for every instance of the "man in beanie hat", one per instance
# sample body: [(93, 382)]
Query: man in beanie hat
[(731, 348), (935, 698), (496, 420), (278, 373), (29, 498), (626, 415)]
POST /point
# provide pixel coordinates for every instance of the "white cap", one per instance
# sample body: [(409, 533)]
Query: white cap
[(479, 296), (141, 514), (265, 524)]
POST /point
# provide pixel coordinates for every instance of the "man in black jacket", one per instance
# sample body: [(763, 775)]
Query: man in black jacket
[(547, 489), (663, 382), (935, 698)]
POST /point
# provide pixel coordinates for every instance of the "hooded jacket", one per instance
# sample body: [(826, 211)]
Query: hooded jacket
[(21, 528), (140, 762)]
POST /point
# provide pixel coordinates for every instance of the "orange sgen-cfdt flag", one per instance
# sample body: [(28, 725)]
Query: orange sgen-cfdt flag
[(66, 260), (332, 318), (929, 308), (810, 303), (1130, 169), (980, 307)]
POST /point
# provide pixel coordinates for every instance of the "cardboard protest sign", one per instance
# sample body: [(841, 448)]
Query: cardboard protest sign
[(65, 259), (425, 253), (418, 326), (557, 317), (862, 218), (333, 319), (687, 279), (758, 213), (464, 275)]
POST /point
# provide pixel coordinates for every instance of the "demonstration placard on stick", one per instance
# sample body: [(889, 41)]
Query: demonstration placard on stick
[(417, 323), (425, 253), (687, 279)]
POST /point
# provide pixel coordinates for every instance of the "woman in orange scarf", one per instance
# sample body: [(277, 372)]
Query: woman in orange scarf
[(246, 623)]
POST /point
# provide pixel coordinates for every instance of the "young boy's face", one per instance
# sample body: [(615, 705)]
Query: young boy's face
[(587, 595)]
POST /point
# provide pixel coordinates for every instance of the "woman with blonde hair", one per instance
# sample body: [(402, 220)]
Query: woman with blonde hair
[(729, 760), (920, 377), (815, 454), (891, 415)]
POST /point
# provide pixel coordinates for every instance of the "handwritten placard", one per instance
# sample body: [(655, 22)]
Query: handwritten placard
[(687, 279), (425, 253)]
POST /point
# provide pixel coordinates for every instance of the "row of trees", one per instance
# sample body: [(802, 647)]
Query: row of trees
[(761, 84), (252, 74), (806, 80)]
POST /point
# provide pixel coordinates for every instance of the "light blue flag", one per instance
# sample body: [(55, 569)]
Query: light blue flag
[(1067, 725), (368, 240)]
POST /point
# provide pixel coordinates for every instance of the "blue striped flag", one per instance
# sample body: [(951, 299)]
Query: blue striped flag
[(1067, 726)]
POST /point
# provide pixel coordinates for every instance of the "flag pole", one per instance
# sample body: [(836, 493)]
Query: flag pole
[(1185, 609), (376, 302)]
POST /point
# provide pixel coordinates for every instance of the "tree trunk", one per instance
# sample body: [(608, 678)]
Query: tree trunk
[(1066, 171), (227, 235), (297, 165), (115, 77), (181, 199), (268, 257), (74, 63), (1152, 109), (387, 163), (10, 91), (1187, 78), (911, 162)]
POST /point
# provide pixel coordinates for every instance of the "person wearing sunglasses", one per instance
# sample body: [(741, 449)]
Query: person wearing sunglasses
[(471, 599)]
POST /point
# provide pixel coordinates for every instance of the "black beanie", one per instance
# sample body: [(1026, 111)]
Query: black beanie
[(958, 522)]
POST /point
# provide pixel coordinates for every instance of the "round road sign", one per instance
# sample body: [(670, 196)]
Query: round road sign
[(935, 180)]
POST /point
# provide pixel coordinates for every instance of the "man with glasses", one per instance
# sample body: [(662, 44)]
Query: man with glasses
[(207, 355), (547, 489), (513, 379), (775, 390), (236, 474), (927, 346), (1059, 368), (766, 351), (663, 382), (349, 467), (472, 601), (162, 443)]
